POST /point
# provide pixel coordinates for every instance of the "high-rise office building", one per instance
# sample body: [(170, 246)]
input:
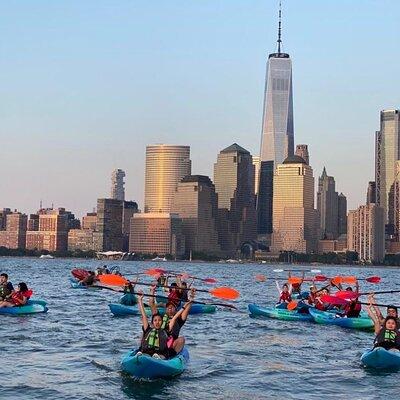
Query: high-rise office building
[(371, 192), (302, 151), (166, 165), (257, 166), (14, 236), (295, 221), (108, 236), (277, 140), (196, 203), (387, 152), (366, 232), (157, 233), (234, 184), (117, 185), (342, 214), (327, 206)]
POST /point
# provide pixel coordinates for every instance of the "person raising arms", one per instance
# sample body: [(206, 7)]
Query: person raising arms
[(376, 315), (388, 336)]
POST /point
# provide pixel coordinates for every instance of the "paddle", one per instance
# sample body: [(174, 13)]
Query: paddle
[(349, 279), (346, 294), (292, 305), (341, 302), (166, 298), (315, 271), (158, 271), (220, 292)]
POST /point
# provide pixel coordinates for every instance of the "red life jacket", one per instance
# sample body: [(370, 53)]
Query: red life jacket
[(18, 297), (173, 297), (285, 296), (319, 305)]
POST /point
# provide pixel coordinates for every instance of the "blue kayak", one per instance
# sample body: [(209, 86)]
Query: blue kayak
[(279, 313), (32, 307), (331, 318), (144, 366), (379, 358), (76, 285), (121, 310)]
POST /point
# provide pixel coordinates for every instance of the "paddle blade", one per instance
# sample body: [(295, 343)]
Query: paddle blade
[(294, 280), (337, 280), (225, 293), (209, 280), (292, 305), (320, 278), (337, 301), (154, 272), (112, 280), (346, 294), (260, 278), (373, 279), (350, 280)]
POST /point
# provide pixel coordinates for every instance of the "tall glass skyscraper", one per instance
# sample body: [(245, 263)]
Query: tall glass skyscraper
[(277, 140)]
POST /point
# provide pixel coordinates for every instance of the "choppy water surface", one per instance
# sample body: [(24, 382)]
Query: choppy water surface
[(74, 351)]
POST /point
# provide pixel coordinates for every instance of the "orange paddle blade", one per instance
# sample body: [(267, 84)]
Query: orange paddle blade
[(350, 280), (153, 272), (294, 280), (261, 278), (292, 305), (225, 293), (337, 280), (112, 280)]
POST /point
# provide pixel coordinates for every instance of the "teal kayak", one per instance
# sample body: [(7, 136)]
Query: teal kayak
[(128, 299), (379, 358), (29, 308), (143, 366), (330, 318), (279, 313), (121, 310)]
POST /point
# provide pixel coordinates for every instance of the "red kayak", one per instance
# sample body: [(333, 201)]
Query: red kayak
[(80, 273)]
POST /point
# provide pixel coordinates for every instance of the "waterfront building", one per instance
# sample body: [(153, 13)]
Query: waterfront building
[(371, 193), (342, 214), (157, 233), (81, 239), (129, 208), (166, 165), (277, 140), (196, 202), (117, 185), (89, 221), (366, 232), (387, 153), (295, 221), (302, 151), (3, 218), (14, 236), (234, 184)]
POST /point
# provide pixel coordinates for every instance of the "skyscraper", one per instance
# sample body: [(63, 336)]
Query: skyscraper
[(387, 152), (257, 166), (234, 184), (277, 140), (371, 192), (196, 203), (117, 185), (342, 214), (295, 221), (166, 165), (302, 151), (327, 206)]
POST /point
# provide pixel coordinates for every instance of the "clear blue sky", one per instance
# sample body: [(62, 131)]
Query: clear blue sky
[(85, 85)]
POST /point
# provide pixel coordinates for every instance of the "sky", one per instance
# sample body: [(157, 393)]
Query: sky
[(86, 85)]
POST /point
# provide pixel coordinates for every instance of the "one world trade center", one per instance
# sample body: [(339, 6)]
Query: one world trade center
[(277, 140)]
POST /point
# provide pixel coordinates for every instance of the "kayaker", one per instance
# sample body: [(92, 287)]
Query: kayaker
[(129, 297), (296, 287), (6, 287), (173, 295), (388, 336), (353, 308), (376, 315), (155, 339), (89, 280), (18, 297), (284, 293), (171, 312)]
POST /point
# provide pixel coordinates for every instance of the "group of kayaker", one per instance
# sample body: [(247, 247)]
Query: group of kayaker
[(10, 296), (161, 338)]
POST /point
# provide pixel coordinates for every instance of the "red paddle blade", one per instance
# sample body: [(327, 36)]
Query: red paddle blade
[(210, 280), (373, 279), (112, 280), (333, 300), (225, 293), (320, 278), (346, 294), (292, 305)]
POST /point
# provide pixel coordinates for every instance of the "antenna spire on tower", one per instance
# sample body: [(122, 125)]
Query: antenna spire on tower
[(280, 28)]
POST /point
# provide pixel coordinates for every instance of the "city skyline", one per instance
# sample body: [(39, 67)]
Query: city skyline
[(56, 110)]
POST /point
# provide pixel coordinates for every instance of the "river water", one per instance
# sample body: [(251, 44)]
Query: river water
[(74, 351)]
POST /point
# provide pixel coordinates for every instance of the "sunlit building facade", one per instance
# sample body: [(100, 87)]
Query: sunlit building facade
[(166, 165)]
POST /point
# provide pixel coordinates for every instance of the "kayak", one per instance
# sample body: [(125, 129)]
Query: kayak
[(128, 299), (380, 358), (279, 313), (29, 308), (76, 285), (144, 366), (121, 310), (37, 301), (80, 273), (330, 318)]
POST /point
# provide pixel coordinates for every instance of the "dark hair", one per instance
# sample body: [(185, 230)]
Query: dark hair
[(156, 315), (285, 285), (184, 284), (170, 303), (391, 307), (22, 286), (5, 275), (389, 318), (349, 289), (173, 284)]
